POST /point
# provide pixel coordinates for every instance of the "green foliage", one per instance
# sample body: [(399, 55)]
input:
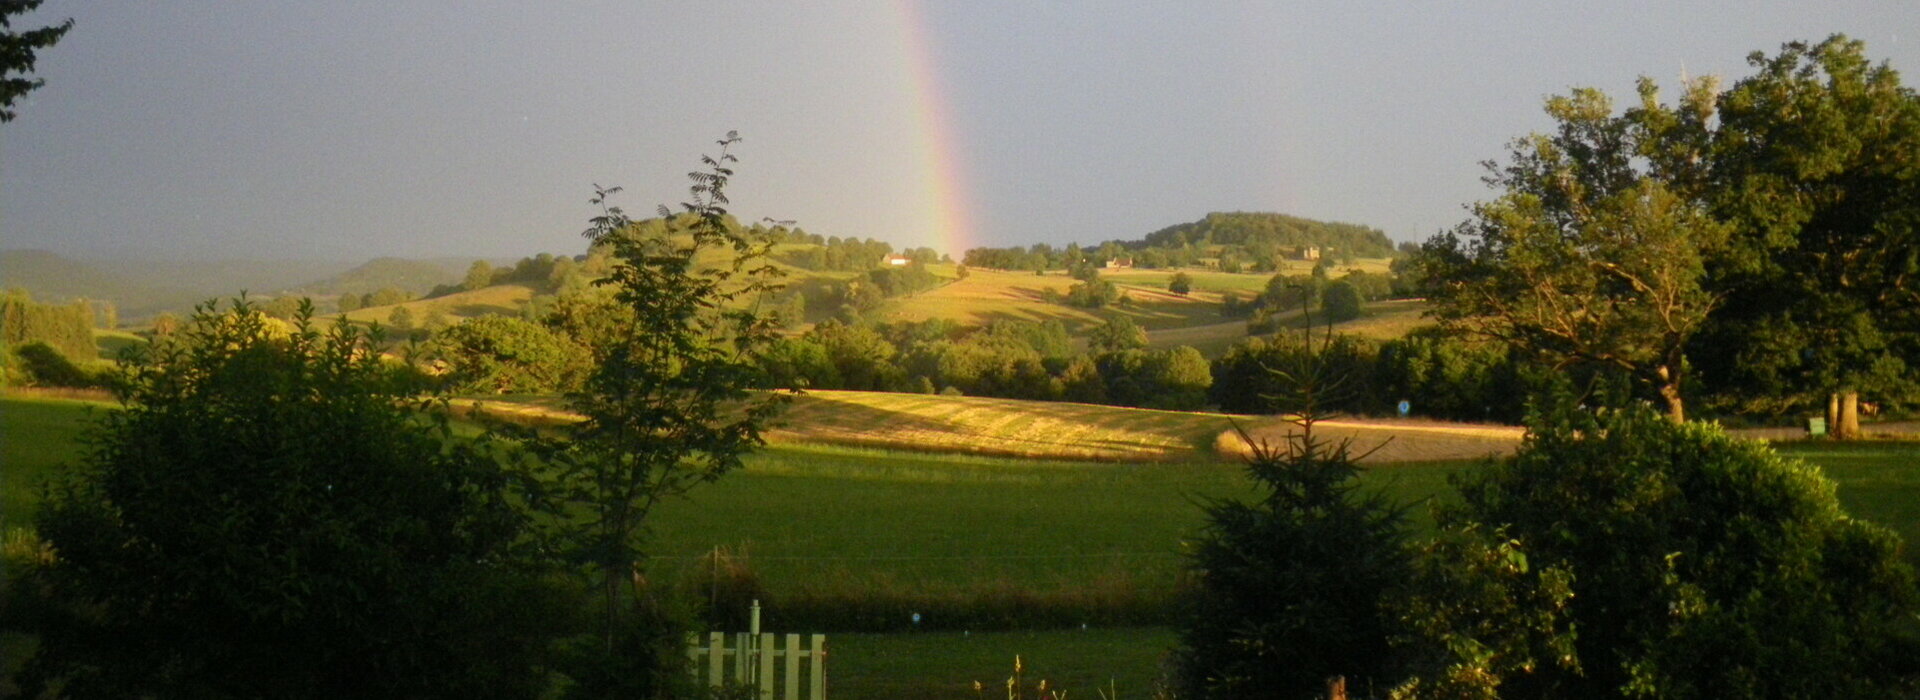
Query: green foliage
[(1680, 562), (67, 328), (1815, 162), (1118, 333), (1341, 303), (17, 53), (1588, 257), (267, 516), (479, 276), (400, 319), (1181, 283), (1243, 382), (1092, 292), (1175, 379), (1446, 376), (668, 406), (501, 355), (1291, 589)]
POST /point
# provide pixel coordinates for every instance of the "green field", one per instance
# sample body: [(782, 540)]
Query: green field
[(826, 529)]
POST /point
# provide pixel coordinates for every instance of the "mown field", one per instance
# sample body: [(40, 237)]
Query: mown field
[(873, 535)]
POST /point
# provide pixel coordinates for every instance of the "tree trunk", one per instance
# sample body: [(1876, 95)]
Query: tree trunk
[(1676, 405), (1849, 428), (1833, 415)]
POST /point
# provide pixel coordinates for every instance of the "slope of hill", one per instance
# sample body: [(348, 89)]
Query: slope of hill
[(416, 276), (1245, 228), (499, 299), (142, 287)]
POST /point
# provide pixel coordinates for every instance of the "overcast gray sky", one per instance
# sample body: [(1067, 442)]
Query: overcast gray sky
[(346, 130)]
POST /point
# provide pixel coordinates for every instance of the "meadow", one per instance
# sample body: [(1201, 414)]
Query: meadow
[(1000, 555)]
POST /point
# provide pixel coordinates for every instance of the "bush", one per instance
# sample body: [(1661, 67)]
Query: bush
[(1289, 588), (498, 354), (1693, 564), (1242, 382), (269, 517), (1341, 302), (1449, 377)]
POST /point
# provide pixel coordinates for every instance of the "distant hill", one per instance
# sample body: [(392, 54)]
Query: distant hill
[(1252, 228), (143, 287), (50, 277), (417, 276)]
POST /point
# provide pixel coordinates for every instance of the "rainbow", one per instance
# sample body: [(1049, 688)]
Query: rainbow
[(945, 205)]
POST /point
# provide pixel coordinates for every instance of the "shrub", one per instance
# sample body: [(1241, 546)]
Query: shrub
[(1341, 302), (269, 517), (498, 354), (1243, 384), (1289, 588), (1693, 565)]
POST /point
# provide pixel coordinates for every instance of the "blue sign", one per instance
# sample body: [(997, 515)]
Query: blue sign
[(1404, 408)]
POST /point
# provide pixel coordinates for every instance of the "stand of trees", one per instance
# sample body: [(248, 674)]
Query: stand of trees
[(1766, 235)]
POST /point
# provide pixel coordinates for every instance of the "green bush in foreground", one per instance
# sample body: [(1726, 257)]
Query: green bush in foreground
[(1619, 554), (268, 517)]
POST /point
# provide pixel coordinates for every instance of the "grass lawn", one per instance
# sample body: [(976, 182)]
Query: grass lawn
[(36, 436)]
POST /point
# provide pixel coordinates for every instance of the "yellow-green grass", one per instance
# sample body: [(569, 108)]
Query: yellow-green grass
[(1216, 281), (1379, 320), (497, 299), (1005, 427), (1212, 340), (993, 295), (965, 425), (112, 343)]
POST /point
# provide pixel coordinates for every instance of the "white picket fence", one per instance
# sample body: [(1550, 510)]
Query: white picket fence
[(752, 659), (753, 655)]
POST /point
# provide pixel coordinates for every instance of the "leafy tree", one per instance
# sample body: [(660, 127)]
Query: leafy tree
[(348, 302), (498, 354), (1446, 376), (67, 328), (1092, 292), (386, 296), (270, 516), (1180, 284), (668, 407), (1243, 382), (1174, 379), (1341, 303), (165, 324), (283, 307), (1588, 257), (1816, 161), (17, 53), (401, 318), (1118, 333), (479, 276), (1649, 558)]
